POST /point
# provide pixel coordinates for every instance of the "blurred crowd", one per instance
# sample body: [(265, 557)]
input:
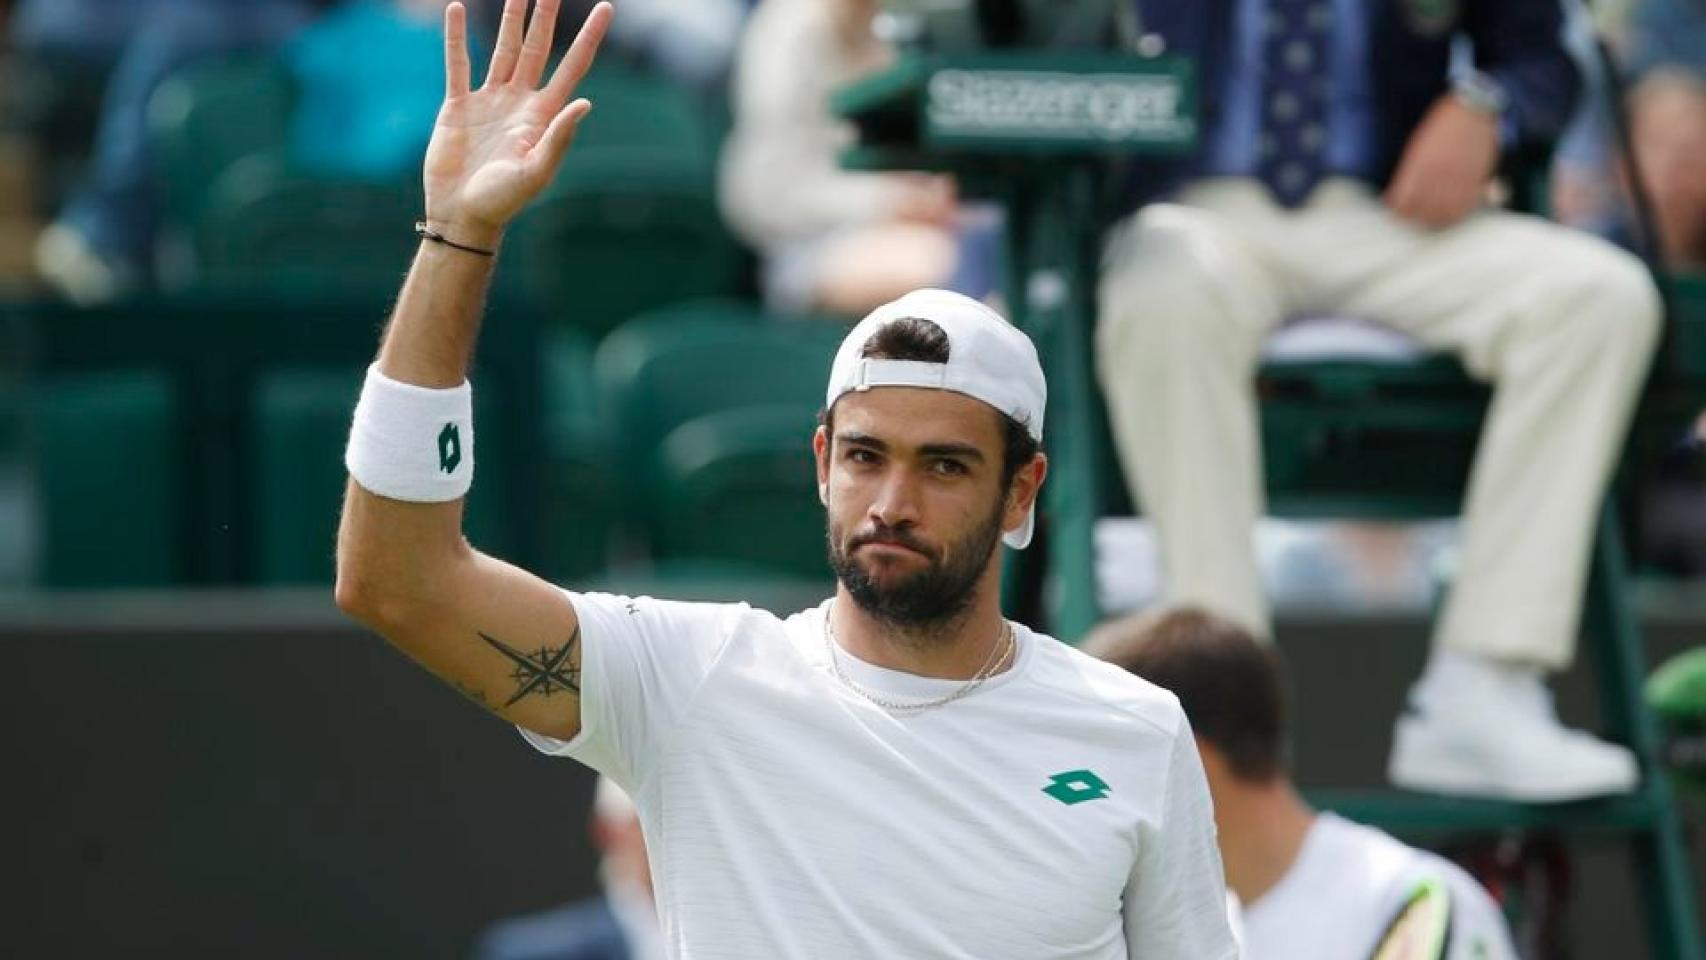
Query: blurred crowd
[(91, 211), (82, 196)]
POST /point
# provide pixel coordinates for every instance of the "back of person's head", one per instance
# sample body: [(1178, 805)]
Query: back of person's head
[(1231, 685)]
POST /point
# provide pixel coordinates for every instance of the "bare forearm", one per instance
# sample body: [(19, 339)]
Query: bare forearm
[(430, 339), (389, 548)]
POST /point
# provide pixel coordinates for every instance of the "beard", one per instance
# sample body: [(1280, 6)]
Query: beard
[(930, 598)]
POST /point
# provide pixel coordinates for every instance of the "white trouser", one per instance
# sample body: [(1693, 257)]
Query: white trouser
[(1562, 322)]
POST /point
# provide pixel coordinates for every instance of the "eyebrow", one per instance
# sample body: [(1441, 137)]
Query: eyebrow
[(945, 449)]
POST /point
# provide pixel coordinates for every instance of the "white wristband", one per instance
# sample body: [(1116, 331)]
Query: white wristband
[(410, 442)]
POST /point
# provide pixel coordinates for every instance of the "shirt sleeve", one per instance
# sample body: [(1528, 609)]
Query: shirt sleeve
[(1175, 903), (642, 663)]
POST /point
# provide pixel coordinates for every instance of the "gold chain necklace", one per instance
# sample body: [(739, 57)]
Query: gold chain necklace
[(1004, 647)]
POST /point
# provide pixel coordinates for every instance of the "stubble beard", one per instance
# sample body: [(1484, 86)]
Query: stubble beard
[(925, 604)]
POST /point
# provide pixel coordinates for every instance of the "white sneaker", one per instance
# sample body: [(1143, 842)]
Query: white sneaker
[(1492, 732)]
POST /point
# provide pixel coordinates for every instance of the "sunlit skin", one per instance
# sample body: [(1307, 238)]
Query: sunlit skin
[(925, 466)]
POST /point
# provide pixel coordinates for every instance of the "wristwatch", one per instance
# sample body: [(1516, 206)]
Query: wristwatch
[(1480, 92)]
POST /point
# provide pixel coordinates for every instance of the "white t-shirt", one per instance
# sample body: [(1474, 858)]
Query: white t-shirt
[(1346, 887), (1058, 811)]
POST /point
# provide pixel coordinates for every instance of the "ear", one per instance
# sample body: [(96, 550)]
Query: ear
[(820, 451), (1027, 484)]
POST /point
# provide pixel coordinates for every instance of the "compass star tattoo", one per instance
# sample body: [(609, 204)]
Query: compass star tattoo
[(544, 671)]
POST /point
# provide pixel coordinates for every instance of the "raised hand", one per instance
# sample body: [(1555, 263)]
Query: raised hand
[(495, 148)]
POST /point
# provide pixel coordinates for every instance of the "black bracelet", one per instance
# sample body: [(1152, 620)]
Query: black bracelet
[(428, 233)]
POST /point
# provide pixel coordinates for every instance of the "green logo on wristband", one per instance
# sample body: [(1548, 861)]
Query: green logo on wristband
[(449, 448)]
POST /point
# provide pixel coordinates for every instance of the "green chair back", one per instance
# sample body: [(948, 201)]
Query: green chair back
[(206, 117), (299, 426), (264, 228), (620, 234), (739, 485), (639, 113), (668, 368), (107, 479), (581, 480), (673, 365)]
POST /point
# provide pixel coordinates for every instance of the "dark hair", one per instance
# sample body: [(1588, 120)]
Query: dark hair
[(915, 338), (1231, 685)]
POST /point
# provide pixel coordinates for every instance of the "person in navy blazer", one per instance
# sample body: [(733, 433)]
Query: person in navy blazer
[(1518, 44), (1346, 150)]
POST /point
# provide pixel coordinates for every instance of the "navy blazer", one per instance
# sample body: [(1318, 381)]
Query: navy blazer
[(1517, 42)]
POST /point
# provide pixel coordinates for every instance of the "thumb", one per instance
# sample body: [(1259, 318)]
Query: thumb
[(547, 155)]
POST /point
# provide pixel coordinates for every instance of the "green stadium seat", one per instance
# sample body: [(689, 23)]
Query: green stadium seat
[(642, 114), (107, 478), (300, 422), (739, 485), (301, 419), (676, 365), (621, 233), (265, 229), (582, 509), (670, 366), (208, 116)]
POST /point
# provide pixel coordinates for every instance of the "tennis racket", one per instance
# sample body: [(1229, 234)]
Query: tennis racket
[(1421, 930)]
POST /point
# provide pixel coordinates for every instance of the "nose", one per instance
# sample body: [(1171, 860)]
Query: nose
[(896, 502)]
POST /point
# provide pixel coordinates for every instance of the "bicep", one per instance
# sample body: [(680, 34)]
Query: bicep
[(505, 639)]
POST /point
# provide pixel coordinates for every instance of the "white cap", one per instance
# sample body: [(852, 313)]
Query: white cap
[(989, 359)]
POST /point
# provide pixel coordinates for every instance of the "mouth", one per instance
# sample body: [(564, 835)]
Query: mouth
[(890, 546)]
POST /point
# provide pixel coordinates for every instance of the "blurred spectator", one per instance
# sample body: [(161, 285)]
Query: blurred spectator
[(831, 239), (620, 924), (100, 245), (90, 29), (1668, 125), (1342, 169), (370, 77), (1662, 47), (1284, 860), (689, 41)]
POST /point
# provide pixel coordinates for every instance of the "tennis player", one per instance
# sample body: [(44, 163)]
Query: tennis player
[(899, 772), (1314, 886)]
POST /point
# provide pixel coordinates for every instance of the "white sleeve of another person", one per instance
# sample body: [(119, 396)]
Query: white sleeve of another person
[(1478, 928), (642, 661), (1175, 903)]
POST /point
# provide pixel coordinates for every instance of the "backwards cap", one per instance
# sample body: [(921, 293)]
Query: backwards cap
[(989, 359)]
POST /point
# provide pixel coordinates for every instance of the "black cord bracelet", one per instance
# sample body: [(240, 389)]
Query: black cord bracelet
[(428, 233)]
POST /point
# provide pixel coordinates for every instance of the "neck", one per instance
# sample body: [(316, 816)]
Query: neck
[(954, 649), (1262, 827)]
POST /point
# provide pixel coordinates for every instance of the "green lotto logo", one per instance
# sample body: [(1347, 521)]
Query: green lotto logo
[(449, 448), (1076, 786)]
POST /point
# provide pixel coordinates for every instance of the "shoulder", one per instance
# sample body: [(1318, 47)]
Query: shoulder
[(673, 614), (1399, 870), (1073, 676), (1381, 856)]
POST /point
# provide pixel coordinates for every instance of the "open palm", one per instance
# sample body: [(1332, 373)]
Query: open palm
[(495, 148)]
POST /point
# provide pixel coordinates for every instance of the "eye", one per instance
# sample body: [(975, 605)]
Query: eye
[(949, 468), (862, 455)]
